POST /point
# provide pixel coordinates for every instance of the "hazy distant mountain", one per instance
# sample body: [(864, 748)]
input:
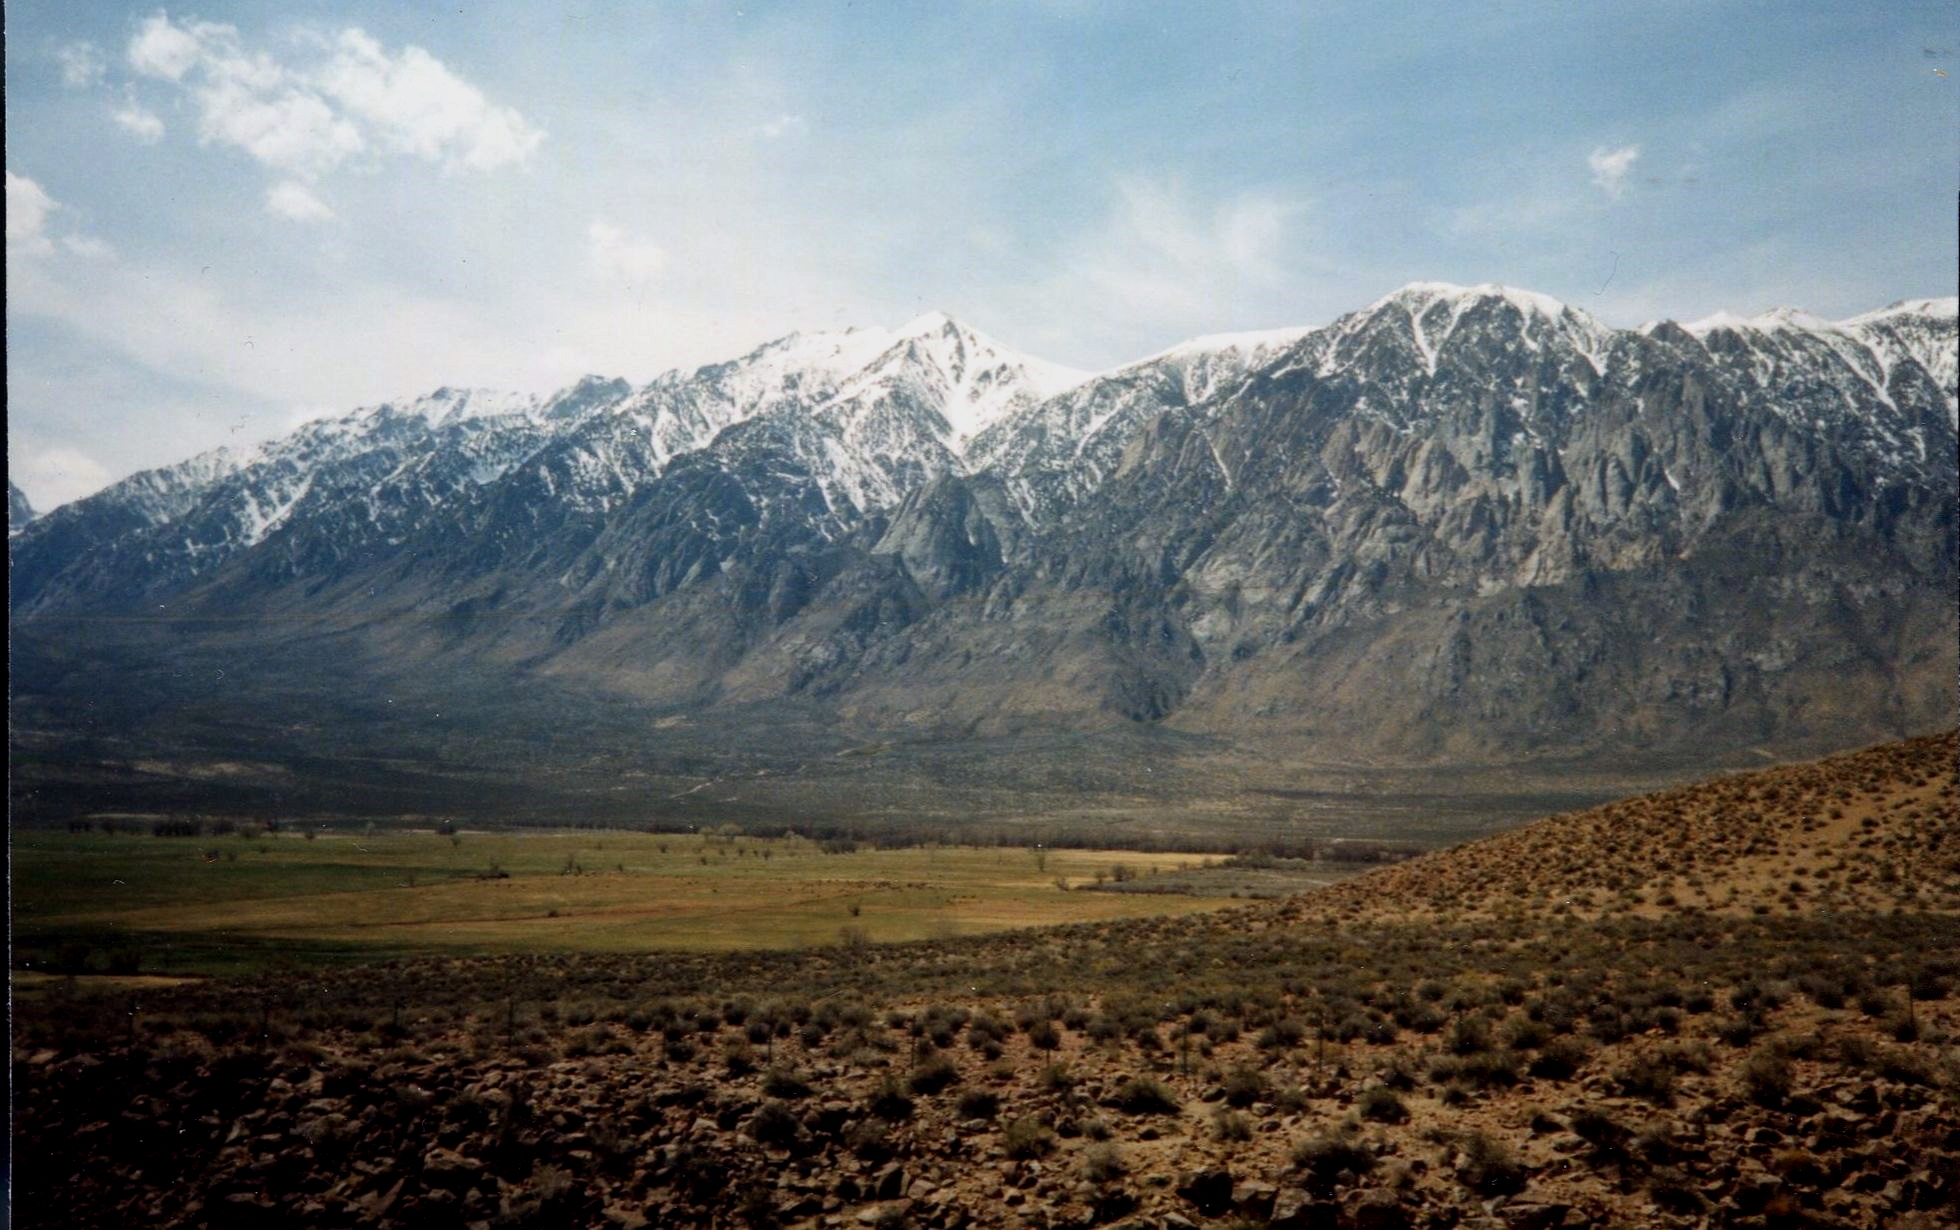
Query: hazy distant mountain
[(1458, 523), (19, 511)]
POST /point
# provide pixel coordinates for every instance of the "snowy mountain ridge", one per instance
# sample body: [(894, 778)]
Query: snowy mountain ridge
[(1458, 517), (868, 415)]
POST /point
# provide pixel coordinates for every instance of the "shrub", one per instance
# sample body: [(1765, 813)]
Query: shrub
[(1895, 1063), (1559, 1059), (1675, 1193), (1488, 1168), (1230, 1125), (1281, 1034), (1026, 1138), (1145, 1095), (933, 1075), (1649, 1077), (979, 1104), (1525, 1034), (783, 1083), (1469, 1036), (1103, 1163), (1381, 1105), (1739, 1031), (890, 1102), (1766, 1078), (1325, 1158), (1244, 1086), (1490, 1070), (774, 1124), (870, 1140)]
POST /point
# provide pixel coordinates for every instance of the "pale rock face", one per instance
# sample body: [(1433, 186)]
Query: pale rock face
[(1456, 500)]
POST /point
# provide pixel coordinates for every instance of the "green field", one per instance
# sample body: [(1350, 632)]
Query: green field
[(230, 903)]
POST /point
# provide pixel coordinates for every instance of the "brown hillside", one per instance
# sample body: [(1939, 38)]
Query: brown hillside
[(1520, 1034), (1877, 829)]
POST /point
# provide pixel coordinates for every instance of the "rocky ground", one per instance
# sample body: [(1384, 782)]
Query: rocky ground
[(1731, 1005)]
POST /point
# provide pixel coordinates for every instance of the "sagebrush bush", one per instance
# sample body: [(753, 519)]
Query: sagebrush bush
[(979, 1104), (1027, 1138), (1145, 1095), (1381, 1105), (1325, 1158)]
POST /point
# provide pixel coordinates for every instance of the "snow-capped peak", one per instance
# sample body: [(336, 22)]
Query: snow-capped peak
[(1250, 342), (1421, 296), (1775, 320), (971, 379), (1943, 308), (1792, 318), (927, 322), (1435, 309)]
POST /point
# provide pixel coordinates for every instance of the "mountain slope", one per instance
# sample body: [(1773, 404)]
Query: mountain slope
[(1462, 524)]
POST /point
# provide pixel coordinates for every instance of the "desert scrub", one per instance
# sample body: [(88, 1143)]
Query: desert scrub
[(1325, 1158), (978, 1104), (1487, 1167), (1103, 1163), (784, 1083), (1381, 1105), (1244, 1085), (1649, 1077), (932, 1076), (1025, 1138), (1767, 1077), (1231, 1126), (1470, 1035), (890, 1102), (1145, 1095), (774, 1124)]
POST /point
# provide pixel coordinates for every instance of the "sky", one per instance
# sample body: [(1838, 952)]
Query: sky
[(225, 219)]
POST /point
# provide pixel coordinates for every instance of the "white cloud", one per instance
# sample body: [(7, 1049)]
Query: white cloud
[(416, 106), (28, 207), (161, 49), (57, 475), (138, 121), (81, 64), (287, 130), (782, 126), (88, 247), (1160, 251), (618, 254), (295, 202), (1610, 167), (344, 96)]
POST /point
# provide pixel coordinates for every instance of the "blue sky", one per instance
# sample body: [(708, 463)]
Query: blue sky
[(226, 218)]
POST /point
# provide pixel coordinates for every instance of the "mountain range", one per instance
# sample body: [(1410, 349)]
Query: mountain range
[(1462, 526)]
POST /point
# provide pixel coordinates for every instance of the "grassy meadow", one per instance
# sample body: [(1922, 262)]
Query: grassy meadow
[(213, 904)]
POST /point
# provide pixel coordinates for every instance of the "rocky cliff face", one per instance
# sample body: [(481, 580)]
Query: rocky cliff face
[(1458, 523), (19, 511)]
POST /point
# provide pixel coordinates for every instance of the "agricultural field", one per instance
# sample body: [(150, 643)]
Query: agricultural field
[(129, 902)]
